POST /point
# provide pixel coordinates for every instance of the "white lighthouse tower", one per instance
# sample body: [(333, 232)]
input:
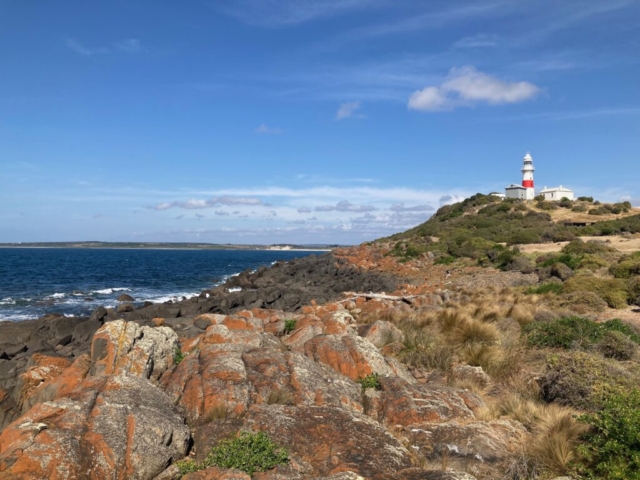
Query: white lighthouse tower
[(524, 191), (527, 176)]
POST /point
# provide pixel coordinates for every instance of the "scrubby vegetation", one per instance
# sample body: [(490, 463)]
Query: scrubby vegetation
[(561, 376), (249, 452)]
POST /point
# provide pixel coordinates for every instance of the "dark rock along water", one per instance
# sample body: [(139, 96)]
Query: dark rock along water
[(37, 281)]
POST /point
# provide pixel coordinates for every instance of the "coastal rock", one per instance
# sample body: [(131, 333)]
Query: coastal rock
[(215, 473), (402, 403), (325, 441), (110, 427), (231, 370), (125, 297), (125, 348), (353, 356), (40, 369), (487, 442)]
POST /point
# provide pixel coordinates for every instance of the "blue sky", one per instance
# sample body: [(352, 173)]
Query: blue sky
[(266, 121)]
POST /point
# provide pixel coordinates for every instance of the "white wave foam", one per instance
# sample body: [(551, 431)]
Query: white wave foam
[(107, 291), (235, 289), (176, 297), (57, 295), (7, 301)]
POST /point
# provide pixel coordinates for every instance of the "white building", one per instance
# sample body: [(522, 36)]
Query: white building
[(557, 193), (524, 191), (516, 191)]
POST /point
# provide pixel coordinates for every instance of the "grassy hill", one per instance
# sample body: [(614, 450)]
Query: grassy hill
[(482, 227)]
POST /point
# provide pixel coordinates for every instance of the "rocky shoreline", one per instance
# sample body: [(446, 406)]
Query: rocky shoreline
[(285, 286), (147, 392)]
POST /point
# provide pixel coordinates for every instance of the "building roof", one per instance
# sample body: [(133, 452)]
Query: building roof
[(556, 189), (514, 186)]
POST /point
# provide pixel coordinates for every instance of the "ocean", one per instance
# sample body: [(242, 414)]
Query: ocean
[(72, 281)]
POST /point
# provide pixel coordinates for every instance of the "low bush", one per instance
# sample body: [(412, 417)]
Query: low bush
[(611, 290), (626, 268), (578, 333), (370, 381), (583, 380), (616, 345), (580, 302), (248, 452), (551, 287), (567, 333), (578, 247), (611, 448), (592, 262)]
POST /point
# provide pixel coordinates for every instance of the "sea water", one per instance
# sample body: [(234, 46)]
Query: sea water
[(74, 281)]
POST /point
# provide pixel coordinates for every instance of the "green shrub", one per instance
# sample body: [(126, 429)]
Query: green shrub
[(445, 260), (611, 290), (552, 287), (583, 380), (592, 262), (578, 247), (579, 208), (250, 452), (626, 268), (580, 302), (289, 325), (571, 261), (616, 345), (575, 333), (585, 199), (568, 332), (370, 381), (611, 449)]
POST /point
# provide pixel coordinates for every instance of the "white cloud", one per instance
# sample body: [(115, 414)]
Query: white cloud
[(131, 45), (304, 210), (81, 49), (345, 206), (348, 110), (197, 203), (481, 40), (264, 129), (399, 207), (449, 199), (325, 208), (467, 86)]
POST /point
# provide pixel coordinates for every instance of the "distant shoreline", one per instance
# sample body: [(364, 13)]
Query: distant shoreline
[(156, 246)]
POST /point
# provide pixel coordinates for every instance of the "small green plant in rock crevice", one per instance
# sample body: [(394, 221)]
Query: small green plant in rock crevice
[(289, 326), (370, 381), (178, 355)]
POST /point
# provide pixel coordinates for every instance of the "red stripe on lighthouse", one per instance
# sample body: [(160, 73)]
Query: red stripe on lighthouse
[(527, 183)]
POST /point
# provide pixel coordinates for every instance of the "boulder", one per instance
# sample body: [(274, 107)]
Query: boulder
[(110, 427), (381, 333), (125, 348), (125, 298)]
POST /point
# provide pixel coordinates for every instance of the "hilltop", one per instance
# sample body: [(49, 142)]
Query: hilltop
[(447, 352)]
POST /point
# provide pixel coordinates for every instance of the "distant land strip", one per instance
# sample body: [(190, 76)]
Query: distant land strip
[(166, 245)]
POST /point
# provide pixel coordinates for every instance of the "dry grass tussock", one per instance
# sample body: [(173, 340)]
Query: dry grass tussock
[(218, 412), (279, 397), (555, 434)]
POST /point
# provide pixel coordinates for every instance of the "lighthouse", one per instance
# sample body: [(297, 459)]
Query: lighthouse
[(524, 191), (527, 176)]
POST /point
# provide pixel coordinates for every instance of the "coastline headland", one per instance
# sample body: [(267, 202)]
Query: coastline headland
[(443, 353)]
